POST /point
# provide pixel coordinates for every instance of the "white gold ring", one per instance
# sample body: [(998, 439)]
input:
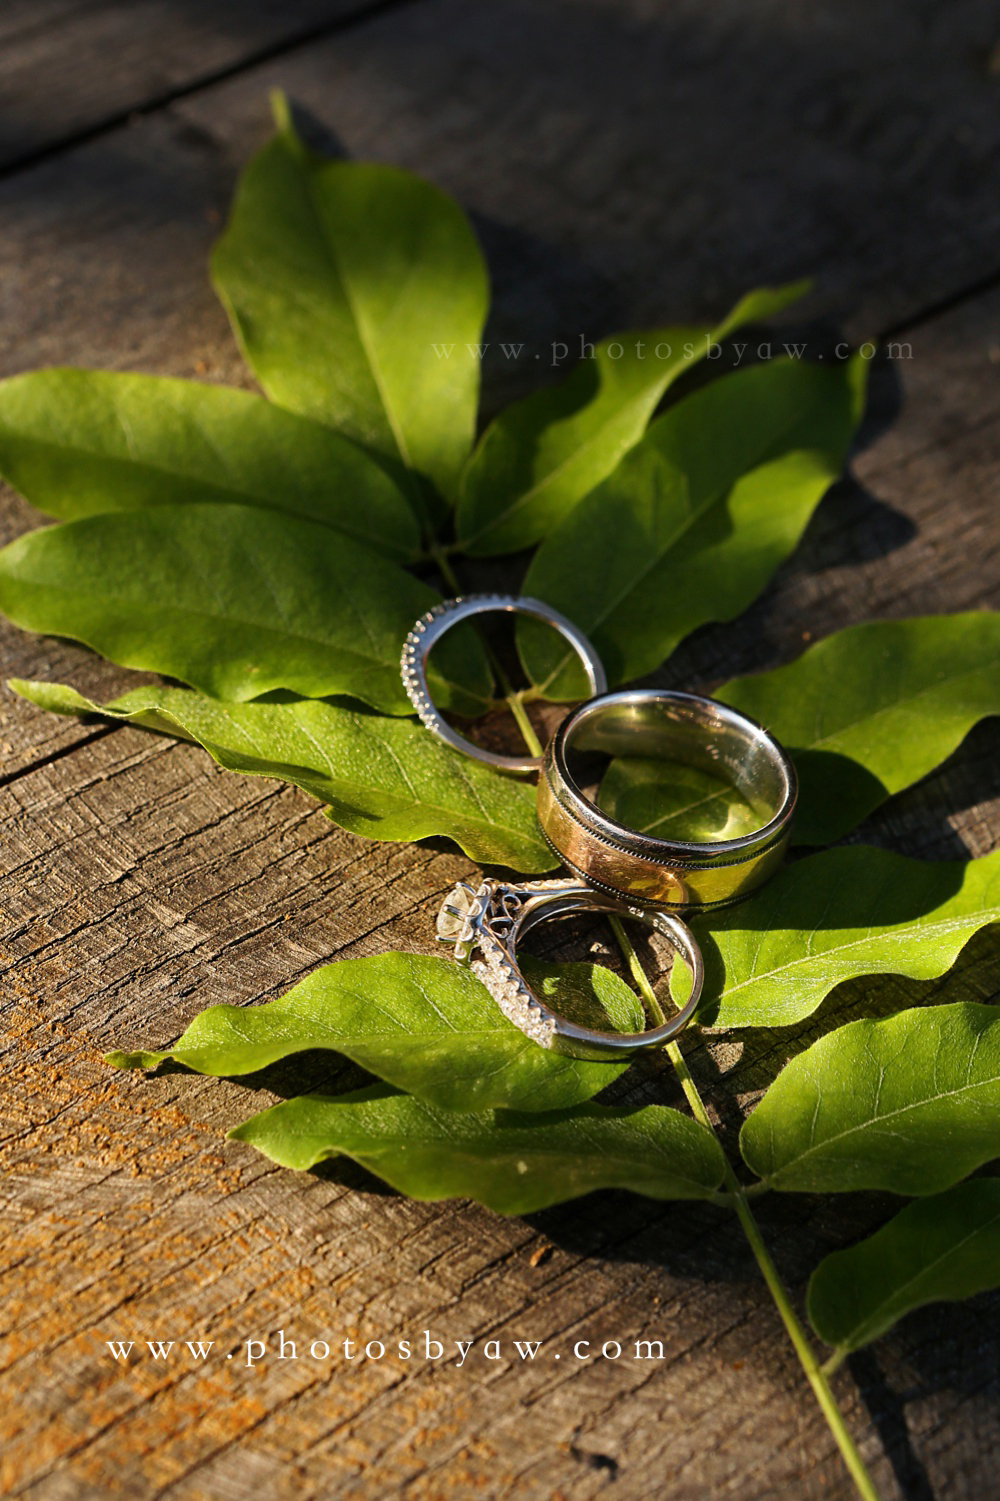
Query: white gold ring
[(495, 917), (429, 629)]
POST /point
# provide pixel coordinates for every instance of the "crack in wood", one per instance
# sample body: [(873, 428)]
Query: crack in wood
[(366, 10)]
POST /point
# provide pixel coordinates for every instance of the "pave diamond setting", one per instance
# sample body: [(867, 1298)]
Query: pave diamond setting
[(482, 920), (410, 664)]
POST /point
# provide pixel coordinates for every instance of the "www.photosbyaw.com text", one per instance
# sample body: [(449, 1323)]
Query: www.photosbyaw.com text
[(424, 1348), (559, 352)]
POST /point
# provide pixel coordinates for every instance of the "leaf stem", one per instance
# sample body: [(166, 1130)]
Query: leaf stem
[(438, 554), (816, 1374)]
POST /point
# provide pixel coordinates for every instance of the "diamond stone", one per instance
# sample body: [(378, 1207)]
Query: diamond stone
[(453, 918)]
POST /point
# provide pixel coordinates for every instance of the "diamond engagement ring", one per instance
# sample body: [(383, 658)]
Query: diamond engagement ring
[(431, 627), (493, 918)]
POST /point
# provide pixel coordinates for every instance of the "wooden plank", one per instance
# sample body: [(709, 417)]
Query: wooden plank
[(21, 16), (72, 66), (660, 245), (603, 200), (140, 884)]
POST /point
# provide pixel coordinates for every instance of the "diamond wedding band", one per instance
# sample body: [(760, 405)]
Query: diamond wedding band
[(675, 728), (495, 917), (431, 627)]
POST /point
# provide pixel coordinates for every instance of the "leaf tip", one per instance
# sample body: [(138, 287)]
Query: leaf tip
[(793, 290), (281, 112), (284, 124), (134, 1060)]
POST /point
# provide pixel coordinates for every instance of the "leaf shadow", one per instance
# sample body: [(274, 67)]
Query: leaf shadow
[(887, 1410), (550, 289), (829, 781), (311, 1071), (851, 526), (949, 813), (940, 1347), (316, 131)]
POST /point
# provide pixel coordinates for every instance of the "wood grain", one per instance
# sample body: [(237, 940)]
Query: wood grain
[(71, 67), (140, 883)]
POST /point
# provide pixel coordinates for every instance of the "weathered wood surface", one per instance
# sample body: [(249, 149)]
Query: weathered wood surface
[(71, 67), (140, 883)]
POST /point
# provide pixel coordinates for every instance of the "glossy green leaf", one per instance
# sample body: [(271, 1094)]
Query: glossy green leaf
[(939, 1249), (870, 710), (346, 283), (235, 600), (81, 442), (909, 1104), (694, 521), (841, 913), (383, 778), (425, 1025), (511, 1162), (543, 454)]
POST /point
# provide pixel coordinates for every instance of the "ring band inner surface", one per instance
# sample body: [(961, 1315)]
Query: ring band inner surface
[(581, 1041), (683, 729)]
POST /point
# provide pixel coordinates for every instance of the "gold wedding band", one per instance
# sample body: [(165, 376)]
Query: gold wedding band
[(677, 728)]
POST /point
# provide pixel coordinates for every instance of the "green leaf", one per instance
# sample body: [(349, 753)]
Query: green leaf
[(694, 521), (425, 1025), (543, 454), (838, 914), (910, 1104), (383, 778), (81, 442), (873, 708), (234, 600), (512, 1163), (343, 280), (940, 1249)]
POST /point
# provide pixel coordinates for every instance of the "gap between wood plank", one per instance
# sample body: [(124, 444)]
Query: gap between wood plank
[(943, 305), (116, 120)]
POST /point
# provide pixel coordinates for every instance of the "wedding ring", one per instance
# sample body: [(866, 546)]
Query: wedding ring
[(431, 627), (495, 917), (672, 727)]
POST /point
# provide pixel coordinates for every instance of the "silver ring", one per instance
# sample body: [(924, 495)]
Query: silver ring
[(431, 627), (682, 728), (497, 915)]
